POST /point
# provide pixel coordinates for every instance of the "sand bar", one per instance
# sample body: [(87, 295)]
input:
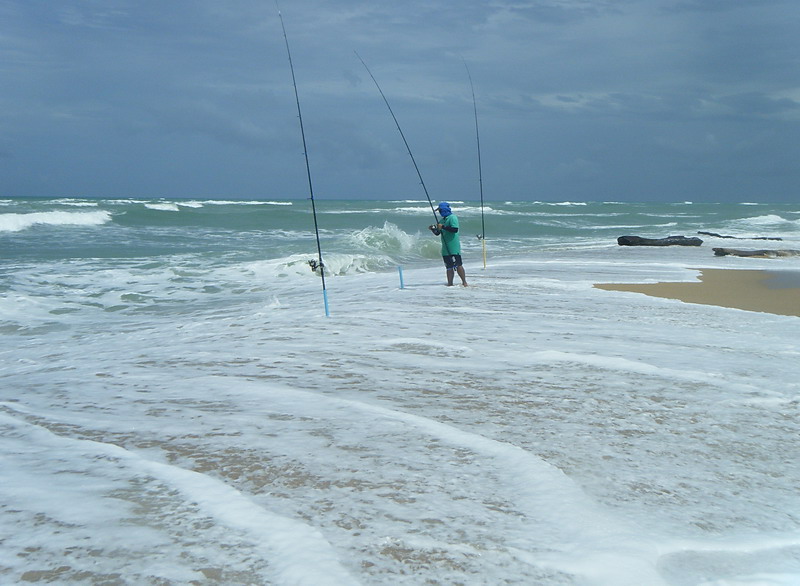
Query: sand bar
[(752, 290)]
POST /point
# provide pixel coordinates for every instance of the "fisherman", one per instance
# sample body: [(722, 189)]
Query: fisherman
[(451, 244)]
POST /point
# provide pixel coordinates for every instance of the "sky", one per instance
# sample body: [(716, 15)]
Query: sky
[(576, 100)]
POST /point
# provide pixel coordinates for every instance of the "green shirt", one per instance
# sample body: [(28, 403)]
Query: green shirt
[(451, 244)]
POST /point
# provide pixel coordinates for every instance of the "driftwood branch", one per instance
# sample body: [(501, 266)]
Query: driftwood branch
[(755, 253), (738, 237), (669, 241)]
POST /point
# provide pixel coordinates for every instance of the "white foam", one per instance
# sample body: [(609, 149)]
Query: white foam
[(767, 220), (541, 493), (163, 207), (388, 239), (529, 428), (18, 222), (297, 553), (243, 202), (77, 203)]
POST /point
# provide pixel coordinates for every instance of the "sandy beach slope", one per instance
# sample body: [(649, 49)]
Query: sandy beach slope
[(752, 290)]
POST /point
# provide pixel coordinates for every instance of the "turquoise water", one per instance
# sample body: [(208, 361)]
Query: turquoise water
[(128, 228), (176, 408)]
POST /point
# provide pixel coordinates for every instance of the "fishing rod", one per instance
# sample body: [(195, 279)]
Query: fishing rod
[(315, 264), (482, 236), (408, 148)]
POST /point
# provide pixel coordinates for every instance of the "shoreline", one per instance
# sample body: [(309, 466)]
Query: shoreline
[(765, 291)]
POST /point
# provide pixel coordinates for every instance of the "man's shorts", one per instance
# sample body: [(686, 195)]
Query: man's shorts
[(452, 261)]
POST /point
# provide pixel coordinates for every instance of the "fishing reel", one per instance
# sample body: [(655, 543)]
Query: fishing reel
[(314, 264), (479, 236), (435, 229)]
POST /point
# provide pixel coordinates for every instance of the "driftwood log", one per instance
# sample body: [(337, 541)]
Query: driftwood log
[(755, 253), (738, 237), (668, 241)]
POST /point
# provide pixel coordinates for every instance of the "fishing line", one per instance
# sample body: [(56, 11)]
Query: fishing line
[(482, 236), (410, 154), (315, 264), (408, 148)]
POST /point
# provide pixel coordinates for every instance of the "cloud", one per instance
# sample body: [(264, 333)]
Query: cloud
[(624, 92), (579, 168)]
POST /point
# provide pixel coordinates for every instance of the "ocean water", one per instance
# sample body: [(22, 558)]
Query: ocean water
[(176, 408)]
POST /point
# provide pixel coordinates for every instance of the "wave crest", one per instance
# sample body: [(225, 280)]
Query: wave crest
[(336, 264), (389, 239), (769, 219), (19, 222)]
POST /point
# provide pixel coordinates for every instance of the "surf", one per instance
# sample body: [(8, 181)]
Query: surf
[(14, 222)]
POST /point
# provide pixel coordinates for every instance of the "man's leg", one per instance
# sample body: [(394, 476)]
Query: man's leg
[(449, 277), (462, 274)]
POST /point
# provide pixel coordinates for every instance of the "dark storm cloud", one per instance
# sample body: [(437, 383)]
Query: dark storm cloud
[(577, 99)]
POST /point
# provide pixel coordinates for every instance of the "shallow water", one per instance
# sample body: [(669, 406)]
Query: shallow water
[(186, 414)]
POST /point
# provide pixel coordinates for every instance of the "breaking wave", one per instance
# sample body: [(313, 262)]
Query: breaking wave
[(19, 222)]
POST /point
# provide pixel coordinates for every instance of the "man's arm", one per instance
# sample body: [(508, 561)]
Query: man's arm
[(450, 223)]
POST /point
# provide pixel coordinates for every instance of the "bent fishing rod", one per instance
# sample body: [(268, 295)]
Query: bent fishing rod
[(482, 236), (408, 148), (318, 264)]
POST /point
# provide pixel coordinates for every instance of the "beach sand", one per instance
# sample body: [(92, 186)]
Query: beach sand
[(752, 290)]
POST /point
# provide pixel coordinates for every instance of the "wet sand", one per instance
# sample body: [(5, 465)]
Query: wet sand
[(752, 290)]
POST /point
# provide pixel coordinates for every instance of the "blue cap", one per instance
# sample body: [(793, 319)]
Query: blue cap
[(444, 209)]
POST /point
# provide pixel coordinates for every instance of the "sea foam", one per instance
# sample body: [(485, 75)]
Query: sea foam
[(164, 207), (19, 222), (177, 408)]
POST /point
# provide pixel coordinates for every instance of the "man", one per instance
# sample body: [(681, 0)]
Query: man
[(451, 244)]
